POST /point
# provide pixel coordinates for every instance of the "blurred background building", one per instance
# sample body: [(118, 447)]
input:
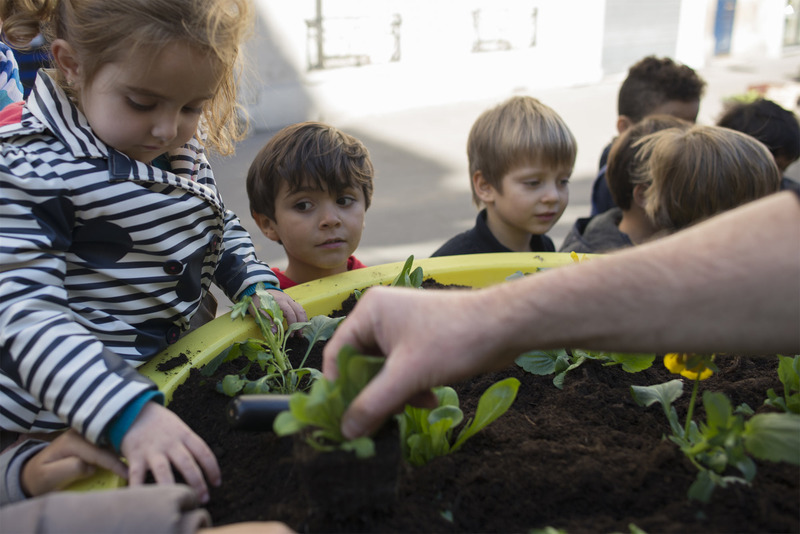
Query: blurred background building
[(330, 59)]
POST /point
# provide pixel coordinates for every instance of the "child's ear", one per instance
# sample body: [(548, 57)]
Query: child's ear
[(623, 123), (67, 60), (267, 226), (639, 195), (483, 189)]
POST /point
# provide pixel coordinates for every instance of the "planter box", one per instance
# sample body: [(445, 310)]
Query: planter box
[(321, 297)]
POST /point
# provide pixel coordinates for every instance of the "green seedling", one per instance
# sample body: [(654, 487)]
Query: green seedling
[(560, 362), (426, 434), (270, 353), (725, 442), (405, 278), (322, 407), (789, 375)]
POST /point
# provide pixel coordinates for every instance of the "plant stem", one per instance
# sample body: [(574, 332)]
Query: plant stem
[(690, 413)]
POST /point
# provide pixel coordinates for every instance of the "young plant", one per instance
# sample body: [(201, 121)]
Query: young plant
[(559, 362), (426, 434), (725, 441), (270, 354), (789, 375), (405, 278), (322, 407)]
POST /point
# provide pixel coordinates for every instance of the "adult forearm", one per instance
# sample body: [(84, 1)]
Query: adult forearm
[(729, 284)]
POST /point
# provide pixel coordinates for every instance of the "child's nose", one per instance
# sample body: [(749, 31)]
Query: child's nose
[(166, 127), (330, 216), (550, 194)]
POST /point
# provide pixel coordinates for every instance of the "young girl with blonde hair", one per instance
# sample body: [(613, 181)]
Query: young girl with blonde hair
[(112, 228)]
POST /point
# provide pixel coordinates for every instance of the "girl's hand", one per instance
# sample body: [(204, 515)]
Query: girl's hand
[(292, 311), (67, 459), (159, 440)]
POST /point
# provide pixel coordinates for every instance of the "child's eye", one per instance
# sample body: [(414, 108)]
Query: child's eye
[(197, 110), (139, 106), (303, 206), (564, 181), (345, 201)]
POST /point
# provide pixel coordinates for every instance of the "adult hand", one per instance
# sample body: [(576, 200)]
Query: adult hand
[(67, 459), (416, 331), (158, 440)]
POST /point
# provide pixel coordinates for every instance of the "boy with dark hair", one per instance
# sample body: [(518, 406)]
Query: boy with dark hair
[(653, 86), (521, 154), (771, 124), (627, 223), (309, 189)]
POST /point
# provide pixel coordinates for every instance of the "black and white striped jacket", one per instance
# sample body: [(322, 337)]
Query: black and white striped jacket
[(101, 257)]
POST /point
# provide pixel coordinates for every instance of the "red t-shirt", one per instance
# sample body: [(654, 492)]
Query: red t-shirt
[(286, 283)]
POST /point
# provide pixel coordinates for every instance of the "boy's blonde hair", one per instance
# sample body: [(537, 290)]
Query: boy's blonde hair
[(518, 131), (103, 31), (699, 172), (308, 154)]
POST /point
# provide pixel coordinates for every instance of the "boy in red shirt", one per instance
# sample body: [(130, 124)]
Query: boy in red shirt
[(309, 189)]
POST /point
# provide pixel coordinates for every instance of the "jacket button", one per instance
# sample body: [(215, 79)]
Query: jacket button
[(173, 267), (173, 334)]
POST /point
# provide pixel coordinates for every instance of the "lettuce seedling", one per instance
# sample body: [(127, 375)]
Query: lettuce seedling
[(322, 407), (559, 362), (725, 441), (270, 354), (789, 375), (405, 278), (426, 434)]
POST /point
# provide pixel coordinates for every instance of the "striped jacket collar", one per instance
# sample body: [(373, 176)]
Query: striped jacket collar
[(49, 109)]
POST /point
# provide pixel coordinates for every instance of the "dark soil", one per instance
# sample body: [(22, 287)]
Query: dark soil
[(584, 459)]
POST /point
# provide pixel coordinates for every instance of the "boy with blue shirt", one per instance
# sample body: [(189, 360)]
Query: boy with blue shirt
[(521, 155)]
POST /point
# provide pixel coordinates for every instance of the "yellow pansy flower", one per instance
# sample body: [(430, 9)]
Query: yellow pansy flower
[(701, 366)]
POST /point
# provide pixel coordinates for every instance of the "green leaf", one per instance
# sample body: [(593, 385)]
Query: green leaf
[(320, 328), (541, 362), (231, 353), (719, 412), (703, 486), (494, 402), (774, 436), (447, 396), (364, 447), (286, 424), (406, 278), (632, 363), (665, 393), (232, 384), (355, 371)]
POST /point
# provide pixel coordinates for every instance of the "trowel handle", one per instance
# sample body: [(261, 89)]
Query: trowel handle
[(256, 412)]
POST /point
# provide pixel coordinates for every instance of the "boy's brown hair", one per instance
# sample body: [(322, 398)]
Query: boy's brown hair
[(518, 131), (308, 154), (623, 156), (654, 81), (697, 173)]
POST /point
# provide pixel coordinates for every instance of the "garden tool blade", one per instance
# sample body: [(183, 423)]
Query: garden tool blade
[(255, 412)]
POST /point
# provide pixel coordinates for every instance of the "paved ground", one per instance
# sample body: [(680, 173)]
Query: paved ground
[(422, 195)]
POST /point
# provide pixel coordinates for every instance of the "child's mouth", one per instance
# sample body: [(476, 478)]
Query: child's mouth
[(331, 243)]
